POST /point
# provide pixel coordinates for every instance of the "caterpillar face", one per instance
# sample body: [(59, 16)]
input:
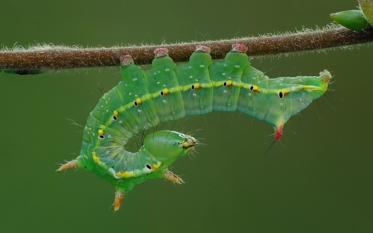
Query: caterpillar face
[(166, 146), (169, 91)]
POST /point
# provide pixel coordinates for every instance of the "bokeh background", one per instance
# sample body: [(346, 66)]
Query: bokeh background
[(317, 179)]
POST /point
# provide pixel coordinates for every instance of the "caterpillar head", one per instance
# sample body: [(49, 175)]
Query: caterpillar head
[(166, 146)]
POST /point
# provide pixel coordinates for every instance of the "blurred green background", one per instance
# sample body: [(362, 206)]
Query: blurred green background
[(317, 179)]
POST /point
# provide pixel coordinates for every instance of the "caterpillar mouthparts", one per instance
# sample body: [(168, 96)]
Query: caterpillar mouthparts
[(189, 142)]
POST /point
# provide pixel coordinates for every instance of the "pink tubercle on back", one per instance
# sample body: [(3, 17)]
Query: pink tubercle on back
[(279, 132), (239, 47), (203, 48), (161, 52), (126, 60)]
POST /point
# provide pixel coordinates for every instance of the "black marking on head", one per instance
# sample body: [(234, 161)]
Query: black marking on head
[(251, 88), (162, 93), (225, 84), (148, 166), (115, 118), (102, 136)]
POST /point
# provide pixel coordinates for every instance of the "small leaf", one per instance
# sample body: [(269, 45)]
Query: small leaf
[(351, 19)]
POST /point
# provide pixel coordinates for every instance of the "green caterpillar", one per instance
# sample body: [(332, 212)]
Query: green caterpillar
[(169, 91)]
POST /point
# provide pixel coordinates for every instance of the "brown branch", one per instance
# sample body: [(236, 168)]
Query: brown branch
[(33, 59)]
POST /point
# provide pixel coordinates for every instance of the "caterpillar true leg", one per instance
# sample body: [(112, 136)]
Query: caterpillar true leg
[(73, 164), (118, 200), (170, 176)]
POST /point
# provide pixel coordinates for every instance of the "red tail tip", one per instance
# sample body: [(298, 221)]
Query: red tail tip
[(279, 132), (161, 52)]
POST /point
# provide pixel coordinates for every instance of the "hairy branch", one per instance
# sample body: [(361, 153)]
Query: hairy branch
[(57, 57)]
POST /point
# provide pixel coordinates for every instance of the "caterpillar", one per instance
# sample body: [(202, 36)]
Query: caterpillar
[(169, 91)]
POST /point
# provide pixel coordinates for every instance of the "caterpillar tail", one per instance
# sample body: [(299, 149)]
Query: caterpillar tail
[(325, 77)]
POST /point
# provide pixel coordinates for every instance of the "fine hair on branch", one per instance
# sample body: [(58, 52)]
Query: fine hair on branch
[(32, 60)]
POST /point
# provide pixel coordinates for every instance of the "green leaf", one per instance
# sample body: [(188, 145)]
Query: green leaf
[(351, 19)]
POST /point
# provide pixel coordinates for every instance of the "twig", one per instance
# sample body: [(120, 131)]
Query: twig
[(57, 57)]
